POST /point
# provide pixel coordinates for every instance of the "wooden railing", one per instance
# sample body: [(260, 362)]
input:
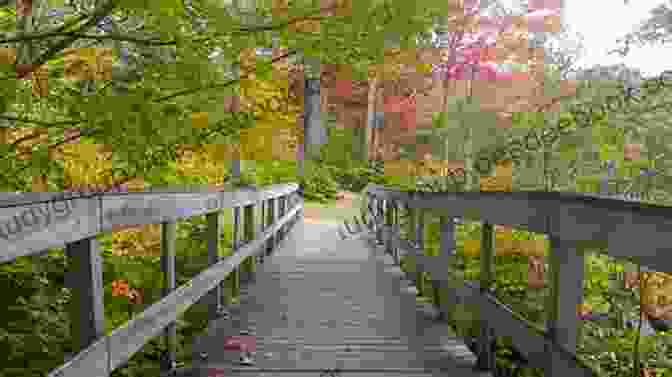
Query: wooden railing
[(31, 223), (640, 233)]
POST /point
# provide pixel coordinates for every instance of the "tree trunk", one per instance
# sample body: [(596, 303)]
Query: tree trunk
[(370, 117)]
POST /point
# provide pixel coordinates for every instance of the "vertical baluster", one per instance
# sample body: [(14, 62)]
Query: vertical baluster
[(281, 213), (388, 226), (262, 227), (420, 240), (168, 235), (248, 265), (395, 224), (85, 280), (235, 274), (409, 260), (486, 358), (270, 221), (379, 219), (213, 231), (566, 294), (445, 253)]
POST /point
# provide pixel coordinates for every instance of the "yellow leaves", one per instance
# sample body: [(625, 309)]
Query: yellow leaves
[(7, 55), (39, 184), (266, 142), (199, 120), (533, 247), (40, 81), (501, 180), (506, 244), (142, 240), (86, 165), (207, 162), (471, 248), (424, 68), (88, 63)]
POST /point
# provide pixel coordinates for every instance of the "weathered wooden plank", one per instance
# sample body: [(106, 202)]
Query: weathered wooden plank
[(31, 228), (615, 224), (168, 238), (85, 280), (569, 217), (155, 208), (530, 341), (127, 340), (91, 362), (271, 215), (213, 231), (566, 282), (486, 357)]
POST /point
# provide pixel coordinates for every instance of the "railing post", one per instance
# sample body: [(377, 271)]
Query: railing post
[(298, 199), (248, 265), (168, 235), (262, 226), (447, 250), (395, 224), (411, 223), (486, 357), (410, 261), (235, 274), (281, 212), (420, 240), (85, 280), (379, 227), (270, 213), (566, 294), (215, 300), (388, 226)]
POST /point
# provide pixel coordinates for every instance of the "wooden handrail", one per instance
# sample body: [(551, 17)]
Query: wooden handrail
[(572, 222), (31, 223)]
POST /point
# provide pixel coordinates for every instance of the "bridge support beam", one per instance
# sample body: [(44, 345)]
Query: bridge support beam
[(168, 236), (85, 280), (566, 294)]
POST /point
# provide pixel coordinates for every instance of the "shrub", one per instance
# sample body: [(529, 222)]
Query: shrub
[(318, 184)]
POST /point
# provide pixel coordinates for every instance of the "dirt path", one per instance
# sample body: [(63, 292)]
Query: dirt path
[(317, 214)]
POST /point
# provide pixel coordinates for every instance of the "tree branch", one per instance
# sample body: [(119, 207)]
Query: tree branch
[(38, 122), (126, 38), (97, 15), (221, 85)]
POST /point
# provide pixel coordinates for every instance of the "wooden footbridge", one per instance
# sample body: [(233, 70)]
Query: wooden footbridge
[(316, 303)]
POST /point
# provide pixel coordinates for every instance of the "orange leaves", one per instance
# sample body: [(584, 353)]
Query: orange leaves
[(344, 84), (536, 273), (120, 288), (632, 152), (24, 7)]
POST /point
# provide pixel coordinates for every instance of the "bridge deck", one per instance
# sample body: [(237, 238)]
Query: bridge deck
[(320, 303)]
